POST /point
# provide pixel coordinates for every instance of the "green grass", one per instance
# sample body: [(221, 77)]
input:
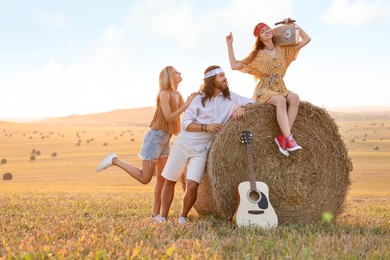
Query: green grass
[(113, 223)]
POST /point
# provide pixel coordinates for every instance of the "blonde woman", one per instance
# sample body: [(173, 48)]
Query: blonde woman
[(156, 146)]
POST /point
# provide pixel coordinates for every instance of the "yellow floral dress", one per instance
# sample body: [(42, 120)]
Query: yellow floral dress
[(270, 71)]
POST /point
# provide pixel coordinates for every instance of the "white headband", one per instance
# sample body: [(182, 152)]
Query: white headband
[(213, 73)]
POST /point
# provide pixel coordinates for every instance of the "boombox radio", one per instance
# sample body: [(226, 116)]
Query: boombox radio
[(286, 34)]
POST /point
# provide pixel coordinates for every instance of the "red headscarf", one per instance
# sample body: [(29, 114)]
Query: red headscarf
[(258, 28)]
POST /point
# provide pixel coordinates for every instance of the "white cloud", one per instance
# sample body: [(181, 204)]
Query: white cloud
[(100, 81), (191, 27), (357, 13), (121, 68), (196, 34), (51, 20)]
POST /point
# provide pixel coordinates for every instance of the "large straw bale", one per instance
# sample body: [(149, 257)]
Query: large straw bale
[(302, 186)]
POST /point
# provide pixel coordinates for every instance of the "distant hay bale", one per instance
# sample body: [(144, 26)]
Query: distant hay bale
[(302, 186), (7, 176), (3, 161)]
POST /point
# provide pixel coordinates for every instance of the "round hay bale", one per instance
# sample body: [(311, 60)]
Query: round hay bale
[(7, 176), (301, 187)]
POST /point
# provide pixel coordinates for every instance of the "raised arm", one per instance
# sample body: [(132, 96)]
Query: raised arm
[(173, 115), (234, 64), (305, 38)]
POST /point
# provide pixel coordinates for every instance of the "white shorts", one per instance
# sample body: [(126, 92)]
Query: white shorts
[(182, 155)]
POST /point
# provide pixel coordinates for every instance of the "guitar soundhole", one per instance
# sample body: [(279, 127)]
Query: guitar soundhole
[(254, 195)]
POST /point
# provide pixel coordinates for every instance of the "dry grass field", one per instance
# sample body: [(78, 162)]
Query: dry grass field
[(56, 206), (369, 147), (78, 151)]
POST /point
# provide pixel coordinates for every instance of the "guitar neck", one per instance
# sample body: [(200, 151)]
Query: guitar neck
[(252, 179)]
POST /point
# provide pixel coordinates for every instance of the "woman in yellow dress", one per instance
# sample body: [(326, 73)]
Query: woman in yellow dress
[(268, 64)]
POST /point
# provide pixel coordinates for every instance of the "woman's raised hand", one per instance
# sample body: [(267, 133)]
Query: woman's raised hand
[(229, 38), (288, 20), (190, 98)]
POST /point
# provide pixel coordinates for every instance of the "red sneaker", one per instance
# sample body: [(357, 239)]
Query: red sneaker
[(281, 143), (291, 145)]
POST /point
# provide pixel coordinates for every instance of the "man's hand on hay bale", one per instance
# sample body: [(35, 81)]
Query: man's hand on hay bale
[(213, 127), (239, 113)]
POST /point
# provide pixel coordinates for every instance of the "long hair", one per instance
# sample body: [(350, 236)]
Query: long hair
[(209, 84), (259, 45), (166, 81)]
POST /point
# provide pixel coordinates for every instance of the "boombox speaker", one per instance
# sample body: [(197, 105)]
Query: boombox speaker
[(286, 35)]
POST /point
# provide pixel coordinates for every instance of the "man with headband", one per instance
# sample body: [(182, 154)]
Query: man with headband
[(206, 115)]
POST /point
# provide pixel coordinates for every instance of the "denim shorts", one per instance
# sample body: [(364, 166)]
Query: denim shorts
[(155, 144)]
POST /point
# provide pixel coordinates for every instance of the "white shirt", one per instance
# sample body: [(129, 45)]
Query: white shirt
[(216, 110)]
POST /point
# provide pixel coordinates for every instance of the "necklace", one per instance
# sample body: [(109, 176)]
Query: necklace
[(269, 49)]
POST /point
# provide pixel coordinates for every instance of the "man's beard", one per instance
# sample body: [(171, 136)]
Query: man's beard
[(222, 85)]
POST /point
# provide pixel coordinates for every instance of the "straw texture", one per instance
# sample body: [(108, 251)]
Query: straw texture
[(302, 186)]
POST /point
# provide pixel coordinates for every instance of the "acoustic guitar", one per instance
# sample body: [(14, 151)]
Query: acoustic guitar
[(253, 205)]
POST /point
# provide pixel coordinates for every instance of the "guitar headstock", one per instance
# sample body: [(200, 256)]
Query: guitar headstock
[(246, 137)]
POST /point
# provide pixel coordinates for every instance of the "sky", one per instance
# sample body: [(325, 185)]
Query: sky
[(65, 57)]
